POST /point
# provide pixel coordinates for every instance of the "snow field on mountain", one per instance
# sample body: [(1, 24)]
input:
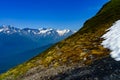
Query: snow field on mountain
[(112, 40)]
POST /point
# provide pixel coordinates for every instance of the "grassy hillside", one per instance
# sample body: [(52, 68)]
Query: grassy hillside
[(79, 50)]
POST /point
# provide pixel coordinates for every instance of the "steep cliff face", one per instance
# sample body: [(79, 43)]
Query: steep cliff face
[(79, 57)]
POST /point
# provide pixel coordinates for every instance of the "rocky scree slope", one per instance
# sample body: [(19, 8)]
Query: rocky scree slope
[(79, 57)]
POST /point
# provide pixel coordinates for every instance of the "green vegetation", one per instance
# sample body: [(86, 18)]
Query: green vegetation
[(82, 47)]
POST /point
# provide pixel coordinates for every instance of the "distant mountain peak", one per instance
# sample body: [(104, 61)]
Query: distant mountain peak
[(62, 32), (8, 29)]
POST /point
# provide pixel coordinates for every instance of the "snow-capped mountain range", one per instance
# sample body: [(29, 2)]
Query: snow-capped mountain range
[(19, 45), (41, 31), (31, 37), (43, 36)]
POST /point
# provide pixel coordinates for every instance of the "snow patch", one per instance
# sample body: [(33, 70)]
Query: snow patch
[(112, 40)]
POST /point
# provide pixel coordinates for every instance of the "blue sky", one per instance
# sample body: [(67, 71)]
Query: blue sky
[(59, 14)]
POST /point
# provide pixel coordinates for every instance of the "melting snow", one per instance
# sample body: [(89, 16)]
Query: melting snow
[(112, 40)]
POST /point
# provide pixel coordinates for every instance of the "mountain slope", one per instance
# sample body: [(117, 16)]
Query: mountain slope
[(79, 57)]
